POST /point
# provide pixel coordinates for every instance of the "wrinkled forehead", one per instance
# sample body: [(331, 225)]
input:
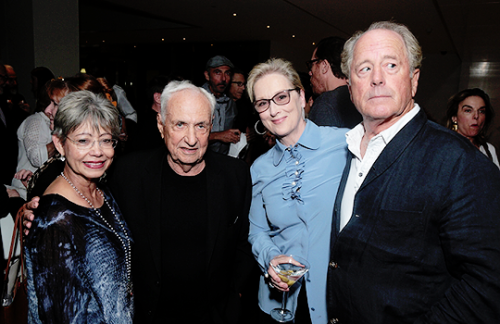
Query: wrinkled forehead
[(189, 104), (380, 41)]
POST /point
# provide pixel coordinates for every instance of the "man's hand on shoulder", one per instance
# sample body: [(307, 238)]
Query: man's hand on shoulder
[(28, 213)]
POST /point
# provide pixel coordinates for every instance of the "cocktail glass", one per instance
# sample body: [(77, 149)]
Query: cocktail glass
[(289, 272)]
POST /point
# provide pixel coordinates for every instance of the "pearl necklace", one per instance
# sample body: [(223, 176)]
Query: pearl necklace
[(127, 246)]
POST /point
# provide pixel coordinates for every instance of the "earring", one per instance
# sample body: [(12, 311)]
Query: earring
[(455, 126), (62, 158)]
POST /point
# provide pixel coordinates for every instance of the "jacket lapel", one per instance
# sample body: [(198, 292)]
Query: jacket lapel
[(395, 148), (152, 187), (340, 195), (215, 190)]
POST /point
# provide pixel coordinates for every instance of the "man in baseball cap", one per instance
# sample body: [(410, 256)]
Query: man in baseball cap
[(218, 73)]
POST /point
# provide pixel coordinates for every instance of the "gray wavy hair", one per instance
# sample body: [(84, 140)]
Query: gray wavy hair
[(79, 107), (413, 49)]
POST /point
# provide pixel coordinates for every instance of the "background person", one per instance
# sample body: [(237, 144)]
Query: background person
[(470, 113), (78, 253), (218, 73), (291, 209), (34, 133), (333, 106)]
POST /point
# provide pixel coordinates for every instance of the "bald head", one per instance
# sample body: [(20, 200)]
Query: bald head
[(3, 77), (12, 81)]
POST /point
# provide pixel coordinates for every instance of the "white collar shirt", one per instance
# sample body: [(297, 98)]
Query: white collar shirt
[(360, 166)]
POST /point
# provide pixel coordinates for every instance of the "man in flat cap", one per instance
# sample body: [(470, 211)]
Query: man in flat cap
[(218, 72)]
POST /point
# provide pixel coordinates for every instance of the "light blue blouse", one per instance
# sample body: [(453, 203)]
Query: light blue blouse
[(293, 193)]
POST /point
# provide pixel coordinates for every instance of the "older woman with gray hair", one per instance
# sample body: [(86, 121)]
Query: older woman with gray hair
[(294, 188), (79, 250)]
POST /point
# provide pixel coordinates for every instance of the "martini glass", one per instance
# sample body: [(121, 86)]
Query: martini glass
[(289, 272)]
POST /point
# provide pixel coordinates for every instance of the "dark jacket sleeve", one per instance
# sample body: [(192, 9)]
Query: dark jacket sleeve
[(469, 231), (53, 258)]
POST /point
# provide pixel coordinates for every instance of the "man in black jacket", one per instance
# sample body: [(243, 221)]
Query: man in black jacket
[(187, 209)]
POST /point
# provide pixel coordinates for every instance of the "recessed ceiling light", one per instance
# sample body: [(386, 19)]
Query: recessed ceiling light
[(163, 39), (184, 38), (234, 15), (314, 43), (268, 26), (293, 36), (103, 41)]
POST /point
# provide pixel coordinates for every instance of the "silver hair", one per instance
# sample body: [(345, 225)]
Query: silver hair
[(413, 49), (175, 86), (79, 107)]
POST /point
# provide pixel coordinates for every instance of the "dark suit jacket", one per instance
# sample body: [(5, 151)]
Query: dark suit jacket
[(136, 185), (335, 108), (423, 244)]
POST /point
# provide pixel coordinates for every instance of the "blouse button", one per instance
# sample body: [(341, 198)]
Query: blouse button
[(296, 172), (360, 174), (294, 183), (296, 162)]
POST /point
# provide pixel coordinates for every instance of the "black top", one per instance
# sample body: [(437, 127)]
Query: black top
[(335, 108), (183, 246)]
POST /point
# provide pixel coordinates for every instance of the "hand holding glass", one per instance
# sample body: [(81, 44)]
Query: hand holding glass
[(286, 269)]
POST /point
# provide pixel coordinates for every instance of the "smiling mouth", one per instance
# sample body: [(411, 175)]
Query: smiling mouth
[(94, 165)]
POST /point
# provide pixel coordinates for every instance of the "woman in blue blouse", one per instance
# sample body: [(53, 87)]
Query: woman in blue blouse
[(78, 253), (294, 188)]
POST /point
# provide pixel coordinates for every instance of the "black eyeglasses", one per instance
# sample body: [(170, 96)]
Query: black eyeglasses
[(280, 99), (239, 83), (310, 63)]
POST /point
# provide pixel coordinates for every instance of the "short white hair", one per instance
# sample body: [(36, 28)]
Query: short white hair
[(175, 86)]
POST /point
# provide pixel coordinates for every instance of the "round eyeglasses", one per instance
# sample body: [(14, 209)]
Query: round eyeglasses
[(280, 99), (87, 143)]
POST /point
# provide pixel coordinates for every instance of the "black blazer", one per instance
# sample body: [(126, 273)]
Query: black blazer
[(423, 242), (136, 185)]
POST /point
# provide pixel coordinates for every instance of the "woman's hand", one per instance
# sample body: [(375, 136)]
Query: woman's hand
[(276, 281), (24, 176), (12, 193)]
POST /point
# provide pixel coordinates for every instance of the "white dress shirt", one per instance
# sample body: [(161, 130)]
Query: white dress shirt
[(360, 166)]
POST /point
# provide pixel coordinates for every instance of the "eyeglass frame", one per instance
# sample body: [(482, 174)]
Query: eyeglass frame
[(114, 140), (310, 63), (239, 83), (272, 99)]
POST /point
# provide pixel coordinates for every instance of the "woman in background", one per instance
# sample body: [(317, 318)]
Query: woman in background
[(470, 113), (34, 137)]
